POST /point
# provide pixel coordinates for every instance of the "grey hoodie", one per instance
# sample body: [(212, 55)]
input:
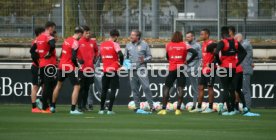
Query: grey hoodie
[(134, 51), (248, 60), (194, 65)]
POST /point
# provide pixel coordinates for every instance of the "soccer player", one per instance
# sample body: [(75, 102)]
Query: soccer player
[(35, 70), (47, 62), (176, 55), (238, 79), (208, 72), (229, 48), (87, 53), (139, 54), (238, 88), (112, 58), (193, 67), (39, 82), (97, 78), (66, 69)]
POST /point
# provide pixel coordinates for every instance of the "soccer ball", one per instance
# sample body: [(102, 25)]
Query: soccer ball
[(182, 107), (131, 105), (240, 107), (169, 106), (144, 106), (189, 106), (218, 109), (225, 107), (157, 106), (204, 105), (215, 106)]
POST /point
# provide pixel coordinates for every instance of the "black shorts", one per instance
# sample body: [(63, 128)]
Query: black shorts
[(238, 79), (110, 80), (207, 80), (181, 79), (47, 78), (72, 77), (35, 75), (85, 77)]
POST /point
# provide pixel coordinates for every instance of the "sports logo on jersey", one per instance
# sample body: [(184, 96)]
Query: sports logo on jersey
[(139, 47), (107, 48), (63, 51)]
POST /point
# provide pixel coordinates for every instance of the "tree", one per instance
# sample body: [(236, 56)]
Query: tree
[(70, 9), (266, 8), (26, 7), (237, 9), (92, 11)]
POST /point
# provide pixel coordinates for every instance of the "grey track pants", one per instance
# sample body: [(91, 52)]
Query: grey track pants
[(193, 80), (246, 89), (97, 86), (140, 79)]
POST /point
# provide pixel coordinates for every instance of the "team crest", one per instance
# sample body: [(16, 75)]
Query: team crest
[(139, 48)]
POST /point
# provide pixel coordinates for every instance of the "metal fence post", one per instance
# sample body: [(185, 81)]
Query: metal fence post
[(33, 26), (244, 27), (78, 13), (101, 25), (127, 17), (62, 18), (172, 24), (140, 15), (237, 28), (218, 32), (49, 17), (155, 19), (144, 24)]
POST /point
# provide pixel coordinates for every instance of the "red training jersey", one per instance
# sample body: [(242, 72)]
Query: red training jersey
[(229, 61), (177, 53), (207, 57), (239, 68), (109, 53), (66, 63), (43, 48), (87, 51)]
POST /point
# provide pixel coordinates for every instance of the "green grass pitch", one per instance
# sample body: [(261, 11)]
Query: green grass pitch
[(17, 123)]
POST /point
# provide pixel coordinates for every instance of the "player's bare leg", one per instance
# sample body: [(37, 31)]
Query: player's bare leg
[(200, 99), (35, 109), (34, 92), (166, 97), (75, 95), (180, 100), (55, 96), (56, 91), (210, 99)]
